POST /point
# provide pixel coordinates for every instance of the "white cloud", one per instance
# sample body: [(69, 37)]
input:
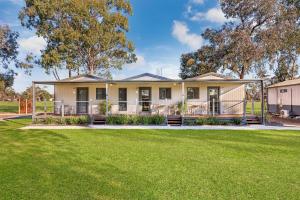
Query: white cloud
[(215, 15), (32, 44), (198, 1), (182, 33)]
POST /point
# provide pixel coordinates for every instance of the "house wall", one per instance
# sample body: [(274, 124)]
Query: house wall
[(289, 100), (66, 92), (231, 96)]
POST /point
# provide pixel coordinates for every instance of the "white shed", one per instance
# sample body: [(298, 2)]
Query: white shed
[(285, 96)]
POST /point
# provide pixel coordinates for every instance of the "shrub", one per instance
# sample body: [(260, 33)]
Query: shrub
[(135, 120), (117, 119), (157, 119), (200, 121), (84, 119), (182, 107), (212, 121), (237, 121), (189, 122), (132, 120), (74, 120), (102, 107), (50, 120)]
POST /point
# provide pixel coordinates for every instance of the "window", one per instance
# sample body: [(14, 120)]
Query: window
[(100, 93), (122, 99), (283, 90), (192, 93), (164, 93)]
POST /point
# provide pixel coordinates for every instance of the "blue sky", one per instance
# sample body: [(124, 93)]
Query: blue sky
[(161, 30)]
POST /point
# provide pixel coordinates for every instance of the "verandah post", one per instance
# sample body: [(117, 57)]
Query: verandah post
[(183, 99), (33, 101), (213, 106), (262, 103), (106, 99), (26, 106), (19, 105), (62, 109), (45, 107), (252, 107), (244, 119), (136, 101)]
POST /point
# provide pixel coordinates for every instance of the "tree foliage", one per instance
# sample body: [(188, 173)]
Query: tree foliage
[(197, 63), (8, 46), (41, 94), (9, 58), (259, 33), (81, 35)]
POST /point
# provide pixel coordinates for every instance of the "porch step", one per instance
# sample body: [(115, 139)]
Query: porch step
[(253, 120), (174, 120), (99, 120)]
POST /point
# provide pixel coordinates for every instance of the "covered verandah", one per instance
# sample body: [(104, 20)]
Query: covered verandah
[(180, 104)]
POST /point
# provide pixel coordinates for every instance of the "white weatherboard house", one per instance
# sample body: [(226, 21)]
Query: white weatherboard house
[(147, 94), (285, 96)]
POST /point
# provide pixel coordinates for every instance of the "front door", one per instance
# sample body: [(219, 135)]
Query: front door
[(82, 98), (145, 98), (213, 94)]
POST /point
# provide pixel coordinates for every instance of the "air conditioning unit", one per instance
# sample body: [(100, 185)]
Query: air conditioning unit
[(285, 113)]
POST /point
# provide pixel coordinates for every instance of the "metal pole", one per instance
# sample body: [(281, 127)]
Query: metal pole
[(45, 107), (252, 108), (19, 105), (62, 109), (33, 101), (183, 98), (244, 120), (106, 99), (91, 106), (262, 103), (213, 106), (26, 106)]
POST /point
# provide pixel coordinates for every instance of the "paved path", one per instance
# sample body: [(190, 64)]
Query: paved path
[(250, 127)]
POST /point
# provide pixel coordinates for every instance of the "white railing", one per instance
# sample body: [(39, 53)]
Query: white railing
[(161, 107)]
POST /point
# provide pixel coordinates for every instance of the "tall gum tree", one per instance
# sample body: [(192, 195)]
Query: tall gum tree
[(81, 35), (260, 31)]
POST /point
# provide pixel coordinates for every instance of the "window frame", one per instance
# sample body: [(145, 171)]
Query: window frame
[(102, 97), (122, 104), (194, 96), (282, 91), (168, 95)]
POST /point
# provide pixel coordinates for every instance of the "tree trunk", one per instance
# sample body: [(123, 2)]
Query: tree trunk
[(242, 74), (70, 73)]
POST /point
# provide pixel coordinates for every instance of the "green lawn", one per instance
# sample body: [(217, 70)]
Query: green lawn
[(257, 107), (13, 107), (148, 164)]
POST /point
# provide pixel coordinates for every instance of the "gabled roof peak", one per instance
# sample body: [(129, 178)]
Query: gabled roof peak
[(210, 75), (83, 77), (146, 77)]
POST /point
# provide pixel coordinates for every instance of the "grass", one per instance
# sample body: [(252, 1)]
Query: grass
[(147, 164), (13, 107), (257, 107)]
